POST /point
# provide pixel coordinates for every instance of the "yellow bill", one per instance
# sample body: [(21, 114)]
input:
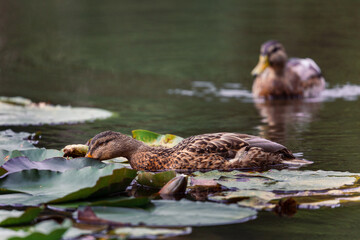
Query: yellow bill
[(260, 67)]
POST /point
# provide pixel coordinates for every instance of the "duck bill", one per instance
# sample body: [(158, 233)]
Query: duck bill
[(260, 67), (88, 155)]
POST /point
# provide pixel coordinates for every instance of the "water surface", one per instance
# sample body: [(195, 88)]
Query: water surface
[(135, 57)]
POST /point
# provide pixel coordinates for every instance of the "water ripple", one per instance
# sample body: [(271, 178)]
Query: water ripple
[(203, 89)]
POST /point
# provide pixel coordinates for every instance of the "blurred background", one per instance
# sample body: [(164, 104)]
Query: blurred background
[(183, 67)]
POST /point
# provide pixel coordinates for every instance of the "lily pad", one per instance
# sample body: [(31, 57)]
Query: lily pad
[(36, 154), (14, 217), (150, 233), (156, 139), (21, 111), (10, 140), (130, 202), (43, 185), (157, 180), (43, 231), (59, 164), (284, 180), (178, 213), (261, 190)]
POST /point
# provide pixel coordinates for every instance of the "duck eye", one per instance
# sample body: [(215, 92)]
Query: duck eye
[(274, 50)]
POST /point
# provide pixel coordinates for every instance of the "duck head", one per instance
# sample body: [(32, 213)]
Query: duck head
[(272, 54), (107, 145)]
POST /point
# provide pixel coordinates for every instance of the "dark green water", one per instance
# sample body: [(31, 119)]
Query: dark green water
[(129, 56)]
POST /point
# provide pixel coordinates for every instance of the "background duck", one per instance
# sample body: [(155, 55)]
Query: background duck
[(221, 151), (278, 77)]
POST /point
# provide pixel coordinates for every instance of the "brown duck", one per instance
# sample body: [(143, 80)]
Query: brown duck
[(278, 77), (221, 151)]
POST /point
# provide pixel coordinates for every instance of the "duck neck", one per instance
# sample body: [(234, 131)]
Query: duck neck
[(134, 146), (279, 69), (278, 61)]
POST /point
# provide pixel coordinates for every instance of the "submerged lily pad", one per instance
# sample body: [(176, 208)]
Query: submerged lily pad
[(178, 213), (21, 111), (156, 139)]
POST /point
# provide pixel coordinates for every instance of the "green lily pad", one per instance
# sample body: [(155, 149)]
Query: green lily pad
[(130, 202), (157, 180), (155, 139), (42, 231), (150, 233), (261, 190), (53, 187), (178, 213), (10, 141), (21, 111), (14, 217), (284, 180), (36, 154), (59, 164)]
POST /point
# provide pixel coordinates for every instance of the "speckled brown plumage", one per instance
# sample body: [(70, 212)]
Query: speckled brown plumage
[(221, 151), (277, 77)]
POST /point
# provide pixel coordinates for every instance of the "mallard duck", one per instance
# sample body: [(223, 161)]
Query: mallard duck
[(221, 151), (278, 77)]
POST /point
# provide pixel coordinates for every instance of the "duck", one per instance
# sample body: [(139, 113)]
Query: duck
[(212, 151), (277, 77)]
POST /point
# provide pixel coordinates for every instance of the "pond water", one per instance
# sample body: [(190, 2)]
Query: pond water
[(183, 67)]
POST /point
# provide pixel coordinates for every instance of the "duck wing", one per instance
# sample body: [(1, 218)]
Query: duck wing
[(228, 144), (310, 74), (223, 144), (306, 68), (265, 145)]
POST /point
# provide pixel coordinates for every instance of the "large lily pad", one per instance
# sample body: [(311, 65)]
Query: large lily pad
[(21, 111), (121, 201), (49, 186), (156, 139), (284, 180), (178, 213)]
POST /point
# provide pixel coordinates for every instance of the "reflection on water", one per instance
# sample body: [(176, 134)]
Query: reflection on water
[(282, 118)]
